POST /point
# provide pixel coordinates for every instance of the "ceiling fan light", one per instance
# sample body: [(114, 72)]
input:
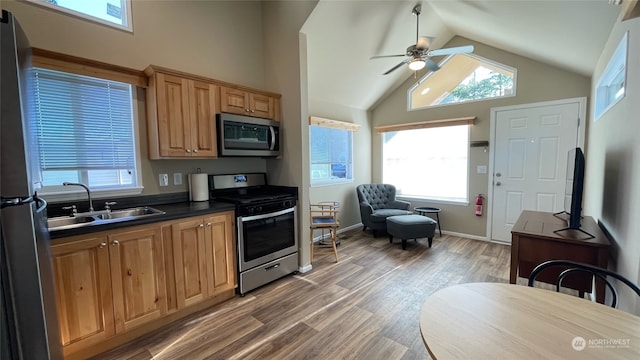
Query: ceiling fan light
[(417, 64)]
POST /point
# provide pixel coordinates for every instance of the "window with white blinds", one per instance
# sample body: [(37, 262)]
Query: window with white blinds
[(83, 129)]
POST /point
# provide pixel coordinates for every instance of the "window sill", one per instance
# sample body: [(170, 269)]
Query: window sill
[(416, 199), (331, 182), (71, 195)]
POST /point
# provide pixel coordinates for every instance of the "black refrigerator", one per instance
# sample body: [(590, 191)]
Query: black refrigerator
[(28, 319)]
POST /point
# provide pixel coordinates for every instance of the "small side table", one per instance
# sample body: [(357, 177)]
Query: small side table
[(424, 210)]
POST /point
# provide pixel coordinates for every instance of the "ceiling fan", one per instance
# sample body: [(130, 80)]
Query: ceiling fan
[(419, 54)]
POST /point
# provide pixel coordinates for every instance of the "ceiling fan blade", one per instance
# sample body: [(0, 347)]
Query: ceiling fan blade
[(385, 56), (395, 67), (453, 50), (424, 42), (431, 65)]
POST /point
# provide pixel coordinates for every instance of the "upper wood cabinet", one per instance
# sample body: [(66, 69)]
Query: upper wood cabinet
[(180, 116), (243, 102)]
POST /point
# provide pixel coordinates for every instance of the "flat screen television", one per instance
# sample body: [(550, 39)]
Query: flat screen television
[(574, 188)]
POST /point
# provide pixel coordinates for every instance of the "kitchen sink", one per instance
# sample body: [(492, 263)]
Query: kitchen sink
[(101, 217), (68, 221), (133, 212)]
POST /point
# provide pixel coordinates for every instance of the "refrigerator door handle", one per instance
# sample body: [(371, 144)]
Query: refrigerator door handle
[(41, 203), (15, 201)]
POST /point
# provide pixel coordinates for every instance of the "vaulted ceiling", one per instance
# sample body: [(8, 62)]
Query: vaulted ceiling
[(343, 35)]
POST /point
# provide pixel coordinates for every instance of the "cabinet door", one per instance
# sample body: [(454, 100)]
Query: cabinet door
[(189, 262), (83, 292), (220, 252), (174, 126), (202, 111), (233, 101), (261, 106), (138, 280)]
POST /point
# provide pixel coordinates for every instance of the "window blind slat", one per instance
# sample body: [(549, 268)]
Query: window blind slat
[(82, 123)]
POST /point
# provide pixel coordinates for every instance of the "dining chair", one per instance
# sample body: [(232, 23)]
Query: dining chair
[(577, 267), (324, 216)]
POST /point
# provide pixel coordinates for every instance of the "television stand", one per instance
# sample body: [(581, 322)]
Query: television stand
[(578, 229), (534, 239)]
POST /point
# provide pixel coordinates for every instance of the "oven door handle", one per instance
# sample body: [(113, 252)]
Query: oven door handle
[(266, 216)]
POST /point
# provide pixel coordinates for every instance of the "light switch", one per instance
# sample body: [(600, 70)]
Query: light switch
[(482, 169), (177, 178)]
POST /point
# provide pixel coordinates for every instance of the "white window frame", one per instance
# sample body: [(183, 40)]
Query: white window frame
[(60, 193), (442, 63), (443, 200), (126, 10), (349, 162), (609, 80)]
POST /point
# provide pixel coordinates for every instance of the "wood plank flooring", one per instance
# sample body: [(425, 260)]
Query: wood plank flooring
[(364, 307)]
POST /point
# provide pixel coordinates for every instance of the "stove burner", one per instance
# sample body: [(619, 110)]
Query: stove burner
[(251, 199)]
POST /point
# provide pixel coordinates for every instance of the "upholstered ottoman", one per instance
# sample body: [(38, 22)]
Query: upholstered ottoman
[(410, 227)]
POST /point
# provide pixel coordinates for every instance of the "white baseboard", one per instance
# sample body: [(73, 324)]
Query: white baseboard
[(340, 231), (475, 237), (305, 268)]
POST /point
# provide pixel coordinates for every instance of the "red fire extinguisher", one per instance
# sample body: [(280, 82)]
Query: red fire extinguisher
[(479, 205)]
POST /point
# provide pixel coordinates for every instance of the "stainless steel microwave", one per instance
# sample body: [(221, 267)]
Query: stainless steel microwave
[(240, 135)]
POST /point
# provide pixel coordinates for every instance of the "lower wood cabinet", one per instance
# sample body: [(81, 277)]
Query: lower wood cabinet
[(203, 253), (84, 296), (137, 277), (111, 282)]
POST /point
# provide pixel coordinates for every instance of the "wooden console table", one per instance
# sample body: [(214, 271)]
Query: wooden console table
[(534, 241)]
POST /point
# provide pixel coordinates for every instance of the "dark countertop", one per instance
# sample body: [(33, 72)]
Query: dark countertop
[(173, 211)]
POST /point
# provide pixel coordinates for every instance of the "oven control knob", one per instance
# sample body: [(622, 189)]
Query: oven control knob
[(251, 209), (259, 208)]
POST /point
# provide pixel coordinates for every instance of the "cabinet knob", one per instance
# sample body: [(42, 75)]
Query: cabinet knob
[(201, 225), (102, 245), (208, 224), (253, 111), (115, 242), (188, 150), (247, 110), (195, 150)]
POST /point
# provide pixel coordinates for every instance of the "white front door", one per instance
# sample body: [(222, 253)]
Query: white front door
[(529, 159)]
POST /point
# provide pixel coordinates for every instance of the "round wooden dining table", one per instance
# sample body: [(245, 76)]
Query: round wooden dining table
[(508, 321)]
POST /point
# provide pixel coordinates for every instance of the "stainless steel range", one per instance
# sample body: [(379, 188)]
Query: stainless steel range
[(266, 225)]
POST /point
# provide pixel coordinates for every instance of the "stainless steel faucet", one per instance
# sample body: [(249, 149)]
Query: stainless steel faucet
[(88, 192)]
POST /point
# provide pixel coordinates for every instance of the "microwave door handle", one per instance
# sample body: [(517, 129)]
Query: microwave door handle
[(273, 138)]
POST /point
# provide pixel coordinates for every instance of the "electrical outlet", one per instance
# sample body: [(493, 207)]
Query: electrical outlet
[(177, 178), (482, 169), (164, 179)]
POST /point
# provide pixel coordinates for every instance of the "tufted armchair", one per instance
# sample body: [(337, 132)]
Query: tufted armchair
[(377, 202)]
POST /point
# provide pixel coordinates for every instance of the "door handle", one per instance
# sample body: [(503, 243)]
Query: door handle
[(498, 183)]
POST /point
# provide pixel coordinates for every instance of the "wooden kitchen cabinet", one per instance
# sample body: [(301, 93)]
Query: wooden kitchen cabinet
[(180, 116), (137, 276), (107, 284), (203, 253), (83, 292), (238, 101), (113, 286)]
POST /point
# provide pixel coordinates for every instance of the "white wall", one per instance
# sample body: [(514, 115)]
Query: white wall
[(612, 190), (349, 214)]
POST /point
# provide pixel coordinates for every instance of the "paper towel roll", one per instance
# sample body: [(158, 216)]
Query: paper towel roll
[(198, 187)]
